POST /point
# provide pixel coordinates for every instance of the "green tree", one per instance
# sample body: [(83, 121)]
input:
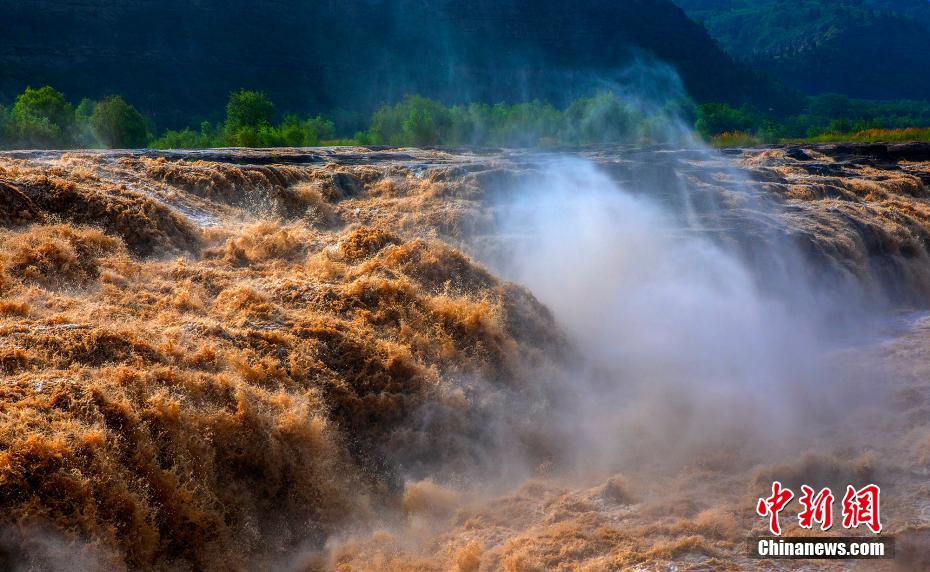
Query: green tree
[(44, 118), (416, 120), (716, 118), (294, 132), (426, 122), (248, 109), (117, 124), (248, 119), (186, 139), (603, 118), (84, 110)]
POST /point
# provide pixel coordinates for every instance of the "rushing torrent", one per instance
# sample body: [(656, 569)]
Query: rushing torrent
[(412, 359)]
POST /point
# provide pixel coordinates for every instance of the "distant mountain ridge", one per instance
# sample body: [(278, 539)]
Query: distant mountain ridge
[(178, 59), (875, 49)]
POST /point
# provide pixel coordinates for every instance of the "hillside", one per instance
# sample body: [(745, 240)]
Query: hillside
[(179, 60), (878, 49)]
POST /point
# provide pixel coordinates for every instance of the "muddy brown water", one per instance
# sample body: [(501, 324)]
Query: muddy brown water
[(316, 359)]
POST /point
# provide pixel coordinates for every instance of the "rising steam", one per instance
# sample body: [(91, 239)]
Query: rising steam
[(685, 343)]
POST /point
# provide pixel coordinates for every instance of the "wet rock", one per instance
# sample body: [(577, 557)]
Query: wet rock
[(16, 208)]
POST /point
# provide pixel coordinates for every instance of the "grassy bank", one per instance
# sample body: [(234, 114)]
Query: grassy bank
[(874, 135), (745, 139)]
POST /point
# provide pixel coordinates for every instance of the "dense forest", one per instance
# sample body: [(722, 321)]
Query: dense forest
[(876, 49), (511, 73)]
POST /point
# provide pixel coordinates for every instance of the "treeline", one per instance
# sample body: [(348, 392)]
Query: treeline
[(420, 121), (249, 123), (602, 118), (824, 117), (44, 118)]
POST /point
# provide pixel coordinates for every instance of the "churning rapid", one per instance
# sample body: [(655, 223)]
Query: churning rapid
[(408, 359)]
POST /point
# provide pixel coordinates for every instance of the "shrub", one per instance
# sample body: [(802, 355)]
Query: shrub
[(296, 133), (117, 124), (320, 129), (735, 139), (189, 139)]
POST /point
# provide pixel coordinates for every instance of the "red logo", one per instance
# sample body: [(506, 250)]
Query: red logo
[(859, 507), (773, 505), (816, 509)]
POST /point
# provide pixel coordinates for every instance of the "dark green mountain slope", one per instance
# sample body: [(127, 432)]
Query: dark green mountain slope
[(178, 59), (877, 49)]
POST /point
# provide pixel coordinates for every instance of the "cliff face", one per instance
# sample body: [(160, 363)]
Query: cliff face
[(178, 60)]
